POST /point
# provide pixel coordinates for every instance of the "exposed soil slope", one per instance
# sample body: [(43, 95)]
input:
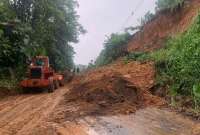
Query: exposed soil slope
[(164, 25)]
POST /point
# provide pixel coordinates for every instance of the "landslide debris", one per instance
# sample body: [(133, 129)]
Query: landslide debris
[(109, 91)]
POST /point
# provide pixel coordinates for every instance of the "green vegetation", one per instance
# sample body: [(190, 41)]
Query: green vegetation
[(168, 4), (136, 56), (172, 5), (37, 27), (114, 47), (147, 18), (91, 65), (178, 65)]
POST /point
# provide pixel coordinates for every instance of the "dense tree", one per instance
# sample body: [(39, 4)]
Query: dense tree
[(38, 27), (114, 47)]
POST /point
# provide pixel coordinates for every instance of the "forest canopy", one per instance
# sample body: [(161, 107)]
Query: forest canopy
[(115, 46), (37, 27)]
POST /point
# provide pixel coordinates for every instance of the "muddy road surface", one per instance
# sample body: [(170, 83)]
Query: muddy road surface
[(19, 115), (30, 114)]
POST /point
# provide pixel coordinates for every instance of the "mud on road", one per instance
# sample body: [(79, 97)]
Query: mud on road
[(19, 115), (112, 100), (30, 115)]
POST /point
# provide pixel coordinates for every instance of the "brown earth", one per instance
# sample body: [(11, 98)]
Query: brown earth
[(4, 92), (112, 90), (29, 114), (19, 115), (165, 24), (116, 89)]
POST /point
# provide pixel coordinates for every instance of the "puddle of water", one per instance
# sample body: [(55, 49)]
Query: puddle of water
[(145, 122)]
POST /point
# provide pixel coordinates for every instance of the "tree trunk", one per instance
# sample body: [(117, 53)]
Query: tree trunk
[(12, 73)]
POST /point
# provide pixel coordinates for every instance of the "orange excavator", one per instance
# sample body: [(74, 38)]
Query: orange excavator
[(41, 75)]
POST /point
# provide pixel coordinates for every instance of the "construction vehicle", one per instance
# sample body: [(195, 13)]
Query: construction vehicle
[(41, 75)]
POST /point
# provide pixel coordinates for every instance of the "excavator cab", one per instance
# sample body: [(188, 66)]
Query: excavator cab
[(42, 61)]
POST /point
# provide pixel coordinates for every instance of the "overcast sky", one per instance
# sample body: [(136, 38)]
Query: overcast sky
[(103, 17)]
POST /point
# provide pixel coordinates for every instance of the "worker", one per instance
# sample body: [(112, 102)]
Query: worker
[(39, 62)]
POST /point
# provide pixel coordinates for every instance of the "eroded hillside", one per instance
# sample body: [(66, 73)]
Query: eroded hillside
[(164, 25)]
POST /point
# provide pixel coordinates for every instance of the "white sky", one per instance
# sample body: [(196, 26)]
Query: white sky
[(103, 17)]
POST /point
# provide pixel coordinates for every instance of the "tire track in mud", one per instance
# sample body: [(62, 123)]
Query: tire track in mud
[(19, 115), (28, 114), (18, 110), (12, 103), (37, 119)]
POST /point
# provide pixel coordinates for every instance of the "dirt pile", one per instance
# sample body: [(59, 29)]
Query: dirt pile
[(105, 93), (109, 91), (164, 25)]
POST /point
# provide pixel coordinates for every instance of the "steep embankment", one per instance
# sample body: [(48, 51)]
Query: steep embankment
[(164, 25)]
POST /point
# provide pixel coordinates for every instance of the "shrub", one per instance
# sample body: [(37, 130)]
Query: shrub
[(168, 4), (137, 56), (179, 63), (114, 47)]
